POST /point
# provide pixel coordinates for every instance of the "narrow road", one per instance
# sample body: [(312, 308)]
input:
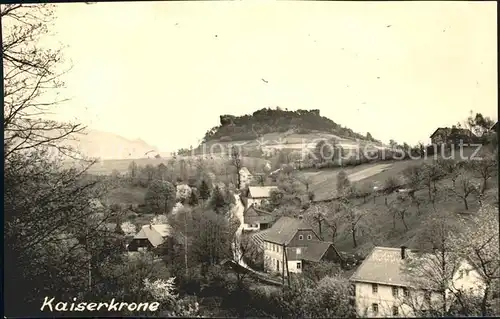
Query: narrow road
[(238, 211)]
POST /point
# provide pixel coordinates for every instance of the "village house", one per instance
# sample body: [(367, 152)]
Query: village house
[(383, 289), (291, 242), (150, 237), (245, 177), (453, 135), (257, 195), (256, 219)]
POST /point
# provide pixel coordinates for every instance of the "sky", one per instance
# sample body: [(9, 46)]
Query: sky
[(165, 71)]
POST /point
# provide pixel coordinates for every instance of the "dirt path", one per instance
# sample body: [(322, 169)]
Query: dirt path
[(238, 211), (368, 172)]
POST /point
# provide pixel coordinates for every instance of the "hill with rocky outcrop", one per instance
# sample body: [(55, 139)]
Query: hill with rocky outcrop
[(267, 120)]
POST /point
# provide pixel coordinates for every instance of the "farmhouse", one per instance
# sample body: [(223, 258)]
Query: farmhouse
[(383, 289), (453, 135), (150, 237), (257, 194), (293, 244), (256, 219)]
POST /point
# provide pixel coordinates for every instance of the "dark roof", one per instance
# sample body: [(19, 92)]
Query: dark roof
[(253, 214), (495, 126), (258, 237), (284, 229), (314, 251), (447, 131)]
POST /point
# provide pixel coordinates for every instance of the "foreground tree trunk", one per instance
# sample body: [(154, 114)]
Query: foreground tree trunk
[(353, 231)]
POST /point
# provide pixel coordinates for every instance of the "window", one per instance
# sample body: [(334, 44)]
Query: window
[(395, 291), (309, 237), (299, 251), (467, 272), (406, 292), (374, 289), (298, 265), (301, 237), (460, 274), (375, 307), (427, 296), (395, 311)]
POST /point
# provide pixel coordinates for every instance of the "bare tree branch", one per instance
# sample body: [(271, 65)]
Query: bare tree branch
[(32, 83)]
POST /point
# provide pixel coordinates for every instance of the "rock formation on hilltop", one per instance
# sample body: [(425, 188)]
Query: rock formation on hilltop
[(248, 127)]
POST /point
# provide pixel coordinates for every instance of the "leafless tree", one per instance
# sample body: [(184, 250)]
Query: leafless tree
[(318, 214), (32, 83), (478, 240), (354, 216), (399, 207), (464, 187), (432, 270), (430, 175), (485, 168)]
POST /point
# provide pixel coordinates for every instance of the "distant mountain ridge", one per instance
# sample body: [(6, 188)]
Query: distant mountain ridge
[(267, 120), (106, 146)]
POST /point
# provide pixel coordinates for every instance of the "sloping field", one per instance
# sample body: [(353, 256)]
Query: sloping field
[(323, 183)]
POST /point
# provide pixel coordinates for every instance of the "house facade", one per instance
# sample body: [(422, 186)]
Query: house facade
[(383, 290), (453, 135), (256, 195), (255, 219), (150, 237), (290, 241), (245, 177)]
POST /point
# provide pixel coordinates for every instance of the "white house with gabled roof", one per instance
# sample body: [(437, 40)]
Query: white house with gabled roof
[(256, 195), (383, 289)]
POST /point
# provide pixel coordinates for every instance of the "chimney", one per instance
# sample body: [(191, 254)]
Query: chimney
[(403, 252)]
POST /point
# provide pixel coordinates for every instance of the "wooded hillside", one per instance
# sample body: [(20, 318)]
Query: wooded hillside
[(269, 120)]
